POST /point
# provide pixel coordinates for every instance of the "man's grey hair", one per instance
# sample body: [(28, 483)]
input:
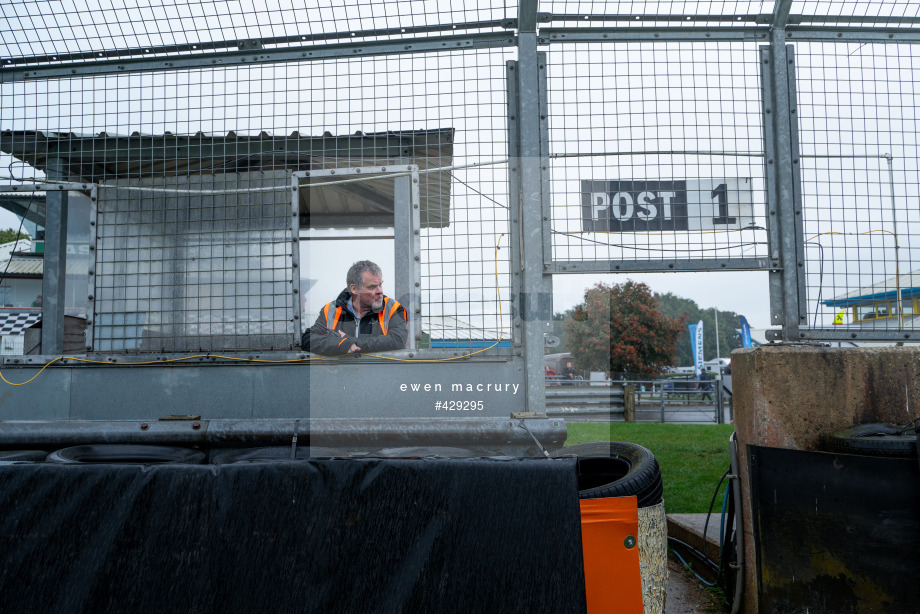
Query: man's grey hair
[(356, 273)]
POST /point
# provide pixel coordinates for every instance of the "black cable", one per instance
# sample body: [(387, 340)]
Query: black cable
[(711, 503), (911, 426), (696, 553), (643, 248), (820, 281)]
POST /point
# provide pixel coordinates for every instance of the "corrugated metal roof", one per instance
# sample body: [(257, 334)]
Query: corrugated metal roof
[(909, 284), (33, 267), (104, 157)]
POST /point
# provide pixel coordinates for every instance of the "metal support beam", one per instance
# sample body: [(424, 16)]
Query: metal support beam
[(653, 266), (514, 190), (407, 240), (534, 302), (611, 35), (784, 219), (856, 335), (296, 271), (55, 262), (260, 56), (781, 13), (853, 34)]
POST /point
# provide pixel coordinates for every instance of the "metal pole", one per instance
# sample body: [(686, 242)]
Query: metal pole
[(535, 298), (720, 418), (662, 403), (54, 274), (718, 352), (897, 246)]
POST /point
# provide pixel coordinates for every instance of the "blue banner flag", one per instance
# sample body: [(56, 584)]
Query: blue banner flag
[(745, 333), (696, 344)]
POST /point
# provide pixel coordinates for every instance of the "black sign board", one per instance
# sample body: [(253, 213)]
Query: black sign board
[(634, 206)]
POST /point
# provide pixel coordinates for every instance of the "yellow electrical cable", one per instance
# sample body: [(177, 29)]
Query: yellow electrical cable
[(34, 376)]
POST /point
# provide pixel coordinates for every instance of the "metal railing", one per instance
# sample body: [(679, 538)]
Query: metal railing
[(701, 401)]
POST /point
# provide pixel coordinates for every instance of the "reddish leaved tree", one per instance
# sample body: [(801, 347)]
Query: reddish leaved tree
[(620, 328)]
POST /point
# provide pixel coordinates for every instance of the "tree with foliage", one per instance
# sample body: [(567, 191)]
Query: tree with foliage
[(560, 320), (729, 323), (9, 235), (621, 328)]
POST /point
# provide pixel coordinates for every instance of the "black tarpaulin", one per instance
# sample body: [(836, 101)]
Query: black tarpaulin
[(449, 535), (835, 532)]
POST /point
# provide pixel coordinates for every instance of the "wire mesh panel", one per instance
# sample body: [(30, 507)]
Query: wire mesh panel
[(858, 122), (54, 30), (197, 263), (444, 112), (657, 155), (655, 147)]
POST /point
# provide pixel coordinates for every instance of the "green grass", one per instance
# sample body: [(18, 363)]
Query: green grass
[(692, 457)]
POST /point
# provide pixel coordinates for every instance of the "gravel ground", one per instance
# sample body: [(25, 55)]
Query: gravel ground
[(686, 594)]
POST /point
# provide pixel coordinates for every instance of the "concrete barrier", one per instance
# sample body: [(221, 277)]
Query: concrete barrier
[(794, 396)]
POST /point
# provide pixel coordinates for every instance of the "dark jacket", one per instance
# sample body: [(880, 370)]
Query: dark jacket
[(369, 337)]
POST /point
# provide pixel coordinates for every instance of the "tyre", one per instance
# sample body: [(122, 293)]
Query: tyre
[(274, 454), (126, 454), (875, 439), (616, 469), (431, 452), (23, 455)]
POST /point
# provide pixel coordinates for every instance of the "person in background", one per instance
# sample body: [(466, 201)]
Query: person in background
[(569, 371), (705, 386)]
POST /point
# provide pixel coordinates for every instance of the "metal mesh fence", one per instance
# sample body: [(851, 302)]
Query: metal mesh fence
[(443, 112), (197, 266), (656, 151), (61, 30), (657, 154), (858, 137)]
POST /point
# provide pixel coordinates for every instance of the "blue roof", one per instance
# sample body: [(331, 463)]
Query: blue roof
[(861, 299)]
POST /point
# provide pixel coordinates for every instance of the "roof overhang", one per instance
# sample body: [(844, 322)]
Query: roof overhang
[(104, 158)]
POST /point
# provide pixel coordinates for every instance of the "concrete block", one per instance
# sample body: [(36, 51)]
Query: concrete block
[(793, 397)]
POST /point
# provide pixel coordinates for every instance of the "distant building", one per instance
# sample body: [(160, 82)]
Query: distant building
[(20, 294), (879, 306)]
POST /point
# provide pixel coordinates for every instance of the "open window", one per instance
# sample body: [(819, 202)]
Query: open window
[(360, 213)]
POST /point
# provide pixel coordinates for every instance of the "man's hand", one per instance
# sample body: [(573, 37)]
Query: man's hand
[(354, 346)]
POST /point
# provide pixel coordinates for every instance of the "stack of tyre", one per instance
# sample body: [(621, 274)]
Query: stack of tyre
[(9, 457), (616, 469), (621, 469), (126, 454), (877, 439)]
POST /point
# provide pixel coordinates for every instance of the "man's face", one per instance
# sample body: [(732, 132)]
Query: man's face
[(370, 295)]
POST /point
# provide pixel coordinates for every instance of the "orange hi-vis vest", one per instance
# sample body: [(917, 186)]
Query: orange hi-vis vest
[(390, 306)]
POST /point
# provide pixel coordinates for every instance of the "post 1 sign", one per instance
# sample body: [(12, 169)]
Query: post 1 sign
[(643, 206)]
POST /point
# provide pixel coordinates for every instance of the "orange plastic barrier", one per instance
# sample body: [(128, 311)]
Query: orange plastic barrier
[(609, 536)]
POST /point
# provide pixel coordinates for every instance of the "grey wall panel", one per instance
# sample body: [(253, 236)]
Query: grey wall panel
[(399, 389), (333, 389), (46, 398), (148, 393)]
